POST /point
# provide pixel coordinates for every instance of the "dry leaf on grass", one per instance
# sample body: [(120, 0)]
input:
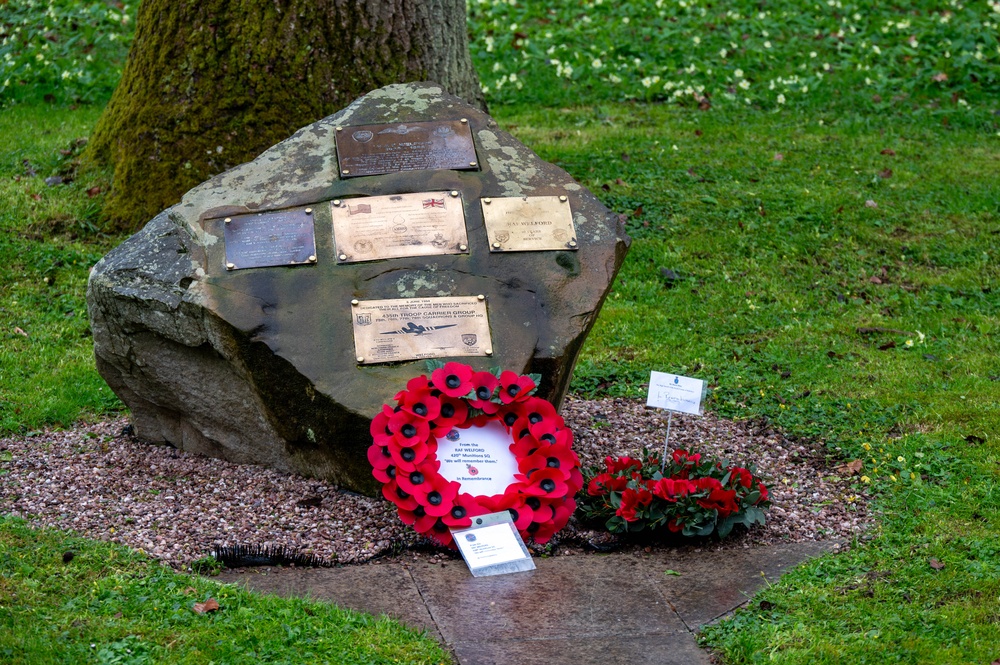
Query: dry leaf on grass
[(210, 605)]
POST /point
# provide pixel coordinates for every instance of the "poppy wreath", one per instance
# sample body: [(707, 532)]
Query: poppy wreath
[(403, 453)]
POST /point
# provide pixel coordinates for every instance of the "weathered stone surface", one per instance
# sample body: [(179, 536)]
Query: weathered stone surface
[(258, 365)]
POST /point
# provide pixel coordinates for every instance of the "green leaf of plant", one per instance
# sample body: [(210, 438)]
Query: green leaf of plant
[(433, 365), (671, 572), (496, 371)]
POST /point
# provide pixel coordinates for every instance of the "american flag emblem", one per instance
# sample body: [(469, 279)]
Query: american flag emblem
[(362, 208), (433, 203)]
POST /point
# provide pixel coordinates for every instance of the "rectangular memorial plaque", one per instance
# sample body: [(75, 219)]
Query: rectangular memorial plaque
[(387, 227), (280, 238), (411, 328), (411, 146), (529, 223), (492, 546)]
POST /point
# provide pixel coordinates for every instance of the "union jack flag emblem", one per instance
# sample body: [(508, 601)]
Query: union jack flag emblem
[(433, 203)]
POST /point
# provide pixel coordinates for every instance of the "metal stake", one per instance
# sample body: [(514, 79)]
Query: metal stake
[(663, 462)]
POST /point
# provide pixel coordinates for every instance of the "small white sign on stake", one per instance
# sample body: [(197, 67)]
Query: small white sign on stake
[(674, 393), (492, 546)]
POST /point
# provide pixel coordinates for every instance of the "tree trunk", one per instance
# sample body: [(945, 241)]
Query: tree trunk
[(210, 84)]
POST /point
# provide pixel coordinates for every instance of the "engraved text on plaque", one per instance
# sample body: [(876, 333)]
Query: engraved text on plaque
[(529, 223), (412, 328), (386, 227), (282, 238), (375, 149)]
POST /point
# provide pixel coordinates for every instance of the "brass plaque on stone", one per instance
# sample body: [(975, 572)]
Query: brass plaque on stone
[(398, 329), (529, 223), (388, 227), (280, 238), (411, 146)]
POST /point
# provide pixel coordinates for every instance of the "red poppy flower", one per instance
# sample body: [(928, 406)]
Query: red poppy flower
[(605, 483), (417, 518), (483, 386), (407, 428), (418, 482), (544, 482), (379, 428), (670, 489), (421, 404), (406, 458), (454, 379), (464, 508), (453, 412), (718, 498), (763, 493), (440, 495), (682, 457), (632, 501), (556, 456), (515, 387), (542, 532), (403, 499), (740, 476), (619, 464)]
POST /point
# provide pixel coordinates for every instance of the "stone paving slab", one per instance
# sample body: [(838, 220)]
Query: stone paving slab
[(573, 610)]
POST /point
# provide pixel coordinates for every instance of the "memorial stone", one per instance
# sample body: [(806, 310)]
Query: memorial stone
[(234, 323)]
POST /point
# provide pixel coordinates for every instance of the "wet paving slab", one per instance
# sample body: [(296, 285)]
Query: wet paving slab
[(596, 608)]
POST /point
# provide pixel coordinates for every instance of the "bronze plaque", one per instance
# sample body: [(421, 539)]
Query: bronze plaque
[(529, 223), (387, 331), (411, 146), (387, 227), (281, 238)]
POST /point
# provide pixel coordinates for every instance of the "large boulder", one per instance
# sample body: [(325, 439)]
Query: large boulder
[(259, 365)]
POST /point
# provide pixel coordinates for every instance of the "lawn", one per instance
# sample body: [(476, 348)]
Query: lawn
[(814, 198)]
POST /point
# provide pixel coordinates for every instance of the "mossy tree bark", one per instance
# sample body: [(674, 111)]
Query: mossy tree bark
[(211, 83)]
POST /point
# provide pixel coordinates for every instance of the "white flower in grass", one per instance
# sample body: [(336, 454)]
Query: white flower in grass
[(722, 53), (597, 64), (738, 73), (744, 84), (781, 98), (767, 44), (615, 79), (696, 39)]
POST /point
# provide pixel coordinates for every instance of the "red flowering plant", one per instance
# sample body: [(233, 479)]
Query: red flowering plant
[(686, 494), (404, 448)]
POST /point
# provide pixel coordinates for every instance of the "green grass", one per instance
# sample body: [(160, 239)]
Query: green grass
[(758, 265), (111, 605), (48, 242)]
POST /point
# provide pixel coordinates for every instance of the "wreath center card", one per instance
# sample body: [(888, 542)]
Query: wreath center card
[(478, 458)]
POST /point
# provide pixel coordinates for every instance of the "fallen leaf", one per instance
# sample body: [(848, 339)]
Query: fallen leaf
[(889, 151), (939, 77), (886, 174), (874, 280), (935, 564), (870, 204), (778, 157), (671, 572), (887, 346), (851, 468), (189, 590), (93, 191), (637, 213), (19, 331), (704, 105), (210, 605), (619, 182), (697, 132)]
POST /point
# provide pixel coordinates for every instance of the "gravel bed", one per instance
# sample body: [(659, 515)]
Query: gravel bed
[(100, 482)]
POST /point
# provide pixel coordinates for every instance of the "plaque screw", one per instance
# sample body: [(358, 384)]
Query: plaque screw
[(489, 352), (345, 171), (230, 266), (336, 202), (496, 245), (354, 302), (312, 258), (472, 163), (465, 121), (340, 129), (563, 199), (487, 201), (463, 247), (309, 211), (228, 220), (572, 243), (480, 297), (343, 257), (454, 192), (360, 359)]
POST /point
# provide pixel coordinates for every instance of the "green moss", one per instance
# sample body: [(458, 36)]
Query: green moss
[(208, 87)]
